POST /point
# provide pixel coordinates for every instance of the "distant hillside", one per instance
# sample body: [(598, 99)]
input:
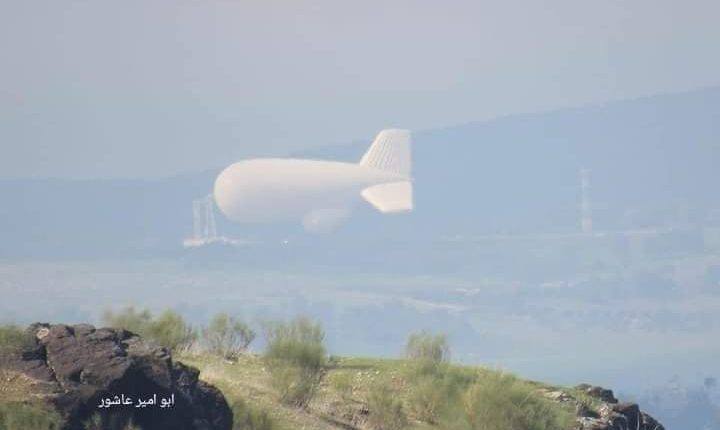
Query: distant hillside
[(51, 217), (681, 406), (653, 162)]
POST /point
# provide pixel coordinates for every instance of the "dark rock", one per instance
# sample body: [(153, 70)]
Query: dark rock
[(84, 365), (650, 423), (620, 416), (587, 423), (630, 413), (582, 410), (598, 392), (611, 414)]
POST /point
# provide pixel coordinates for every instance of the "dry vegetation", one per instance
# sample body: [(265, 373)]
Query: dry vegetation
[(348, 389), (21, 411), (295, 385)]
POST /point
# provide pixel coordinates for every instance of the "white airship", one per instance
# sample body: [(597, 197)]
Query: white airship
[(320, 194)]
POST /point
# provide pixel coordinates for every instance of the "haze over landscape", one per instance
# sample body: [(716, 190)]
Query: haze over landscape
[(117, 116), (105, 89)]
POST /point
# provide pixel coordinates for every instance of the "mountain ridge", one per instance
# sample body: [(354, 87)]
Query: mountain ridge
[(516, 174)]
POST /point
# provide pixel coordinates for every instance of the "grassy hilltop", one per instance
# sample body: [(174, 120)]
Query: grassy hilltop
[(294, 384), (350, 385)]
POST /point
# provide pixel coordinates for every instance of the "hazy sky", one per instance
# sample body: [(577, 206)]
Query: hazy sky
[(139, 88)]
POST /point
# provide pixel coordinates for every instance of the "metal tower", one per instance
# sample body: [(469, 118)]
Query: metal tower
[(204, 227)]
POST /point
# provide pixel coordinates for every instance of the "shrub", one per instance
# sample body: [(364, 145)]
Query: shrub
[(294, 385), (227, 336), (129, 319), (246, 417), (343, 384), (427, 348), (432, 394), (296, 357), (433, 383), (386, 410), (21, 416), (169, 329), (13, 339), (300, 342), (429, 396), (499, 402)]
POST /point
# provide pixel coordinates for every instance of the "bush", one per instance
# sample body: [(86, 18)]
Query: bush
[(499, 402), (129, 319), (227, 336), (294, 385), (429, 396), (21, 416), (427, 348), (433, 393), (386, 410), (433, 384), (343, 384), (169, 329), (300, 342), (296, 357), (246, 417), (13, 339)]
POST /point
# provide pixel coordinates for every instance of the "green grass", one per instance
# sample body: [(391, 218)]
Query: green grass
[(13, 339), (28, 416), (16, 387), (21, 405), (346, 386), (501, 401)]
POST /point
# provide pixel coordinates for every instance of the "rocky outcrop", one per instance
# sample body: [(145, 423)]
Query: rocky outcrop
[(82, 368), (604, 411)]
